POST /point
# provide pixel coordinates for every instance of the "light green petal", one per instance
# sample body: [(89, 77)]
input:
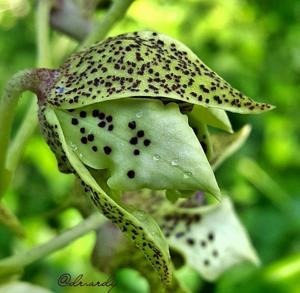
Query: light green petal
[(211, 116), (141, 229), (171, 159), (224, 145), (144, 64), (211, 239)]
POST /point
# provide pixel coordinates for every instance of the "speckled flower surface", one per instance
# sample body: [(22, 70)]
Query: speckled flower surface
[(133, 112)]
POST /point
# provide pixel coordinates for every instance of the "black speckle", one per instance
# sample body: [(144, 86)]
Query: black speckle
[(206, 262), (94, 148), (82, 130), (136, 152), (102, 124), (101, 115), (90, 137), (140, 133), (131, 174), (107, 150), (132, 125), (147, 142), (109, 118), (133, 140), (215, 253), (84, 140), (82, 114), (210, 236), (74, 121), (190, 241), (203, 243), (95, 113), (110, 127)]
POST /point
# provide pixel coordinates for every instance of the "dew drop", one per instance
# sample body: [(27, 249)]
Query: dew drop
[(139, 114), (174, 163), (156, 157), (187, 175), (73, 146), (59, 90)]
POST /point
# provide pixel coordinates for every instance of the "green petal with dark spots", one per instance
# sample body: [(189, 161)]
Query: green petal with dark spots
[(142, 143), (210, 238), (142, 229), (144, 64)]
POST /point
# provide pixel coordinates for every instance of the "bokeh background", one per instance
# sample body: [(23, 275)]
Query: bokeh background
[(253, 44)]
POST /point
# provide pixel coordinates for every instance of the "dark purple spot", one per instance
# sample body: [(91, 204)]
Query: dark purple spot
[(133, 140), (131, 174), (84, 140), (107, 150), (147, 142), (110, 127), (95, 113), (109, 118), (102, 124), (74, 121), (90, 137), (82, 114), (132, 125), (82, 130), (140, 133), (136, 152), (101, 115), (94, 148)]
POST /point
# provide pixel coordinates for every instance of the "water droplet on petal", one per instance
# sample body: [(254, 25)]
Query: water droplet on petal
[(174, 163), (139, 114), (156, 157), (59, 90), (187, 175), (73, 146), (140, 215)]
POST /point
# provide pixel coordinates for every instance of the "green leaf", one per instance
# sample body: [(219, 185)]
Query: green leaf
[(141, 229), (224, 145), (211, 116), (210, 238), (144, 64), (142, 143)]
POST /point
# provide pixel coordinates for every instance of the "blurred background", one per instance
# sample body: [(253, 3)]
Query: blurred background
[(254, 45)]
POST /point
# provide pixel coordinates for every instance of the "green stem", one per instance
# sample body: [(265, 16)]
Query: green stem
[(35, 80), (116, 12), (43, 60), (16, 263), (283, 269), (263, 182)]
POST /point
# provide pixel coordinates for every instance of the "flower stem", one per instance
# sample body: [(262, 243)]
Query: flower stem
[(43, 60), (35, 80), (115, 13), (16, 263)]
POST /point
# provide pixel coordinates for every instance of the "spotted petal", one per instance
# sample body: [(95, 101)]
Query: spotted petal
[(144, 64), (142, 143), (142, 230), (211, 239)]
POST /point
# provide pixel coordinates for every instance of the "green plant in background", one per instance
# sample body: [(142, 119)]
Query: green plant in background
[(129, 113)]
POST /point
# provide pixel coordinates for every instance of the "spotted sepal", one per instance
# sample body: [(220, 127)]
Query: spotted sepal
[(142, 143), (144, 232), (144, 64), (211, 239)]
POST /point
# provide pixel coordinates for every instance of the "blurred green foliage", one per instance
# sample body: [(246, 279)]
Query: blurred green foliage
[(253, 44)]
